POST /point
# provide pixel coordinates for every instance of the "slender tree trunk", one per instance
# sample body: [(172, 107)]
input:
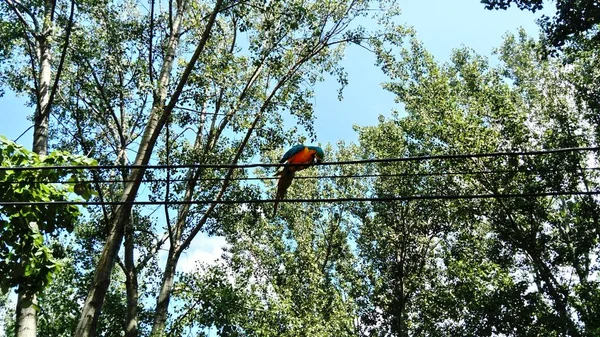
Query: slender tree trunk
[(178, 247), (131, 284), (164, 297), (26, 314), (551, 287), (40, 130), (159, 115), (91, 309), (27, 300), (398, 324)]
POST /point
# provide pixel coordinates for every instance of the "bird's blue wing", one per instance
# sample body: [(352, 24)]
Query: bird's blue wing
[(295, 149)]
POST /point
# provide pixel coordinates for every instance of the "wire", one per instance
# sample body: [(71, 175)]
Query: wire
[(343, 176), (263, 201), (200, 112), (22, 134), (349, 162)]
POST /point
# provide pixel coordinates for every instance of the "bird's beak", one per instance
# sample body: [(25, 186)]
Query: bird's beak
[(319, 160)]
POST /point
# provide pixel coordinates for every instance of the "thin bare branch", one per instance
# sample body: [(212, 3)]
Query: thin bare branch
[(36, 87), (150, 51), (32, 30), (62, 58), (106, 100), (168, 188), (86, 149), (53, 10), (192, 62), (120, 263), (143, 262)]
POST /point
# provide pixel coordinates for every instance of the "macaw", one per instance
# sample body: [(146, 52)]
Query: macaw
[(298, 154)]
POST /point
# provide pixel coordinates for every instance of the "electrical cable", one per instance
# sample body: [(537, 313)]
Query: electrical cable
[(348, 162), (342, 176), (262, 201)]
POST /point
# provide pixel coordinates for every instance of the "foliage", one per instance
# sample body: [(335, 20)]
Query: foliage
[(279, 278), (473, 267), (26, 257), (573, 21), (130, 87), (499, 266), (7, 316)]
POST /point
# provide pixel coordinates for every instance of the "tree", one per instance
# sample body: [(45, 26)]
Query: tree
[(29, 29), (28, 260), (299, 46), (397, 240), (218, 102), (574, 20), (500, 248), (279, 277)]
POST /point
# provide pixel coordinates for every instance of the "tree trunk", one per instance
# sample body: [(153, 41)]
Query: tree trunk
[(164, 297), (26, 314), (398, 323), (178, 247), (40, 130), (131, 284), (159, 115), (91, 309), (27, 301), (552, 288)]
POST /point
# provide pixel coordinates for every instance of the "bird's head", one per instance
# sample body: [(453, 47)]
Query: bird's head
[(319, 154)]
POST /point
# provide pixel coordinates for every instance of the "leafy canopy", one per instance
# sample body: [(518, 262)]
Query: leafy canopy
[(25, 258), (574, 19)]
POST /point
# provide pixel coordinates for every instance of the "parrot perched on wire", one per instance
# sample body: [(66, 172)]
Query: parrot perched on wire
[(297, 155)]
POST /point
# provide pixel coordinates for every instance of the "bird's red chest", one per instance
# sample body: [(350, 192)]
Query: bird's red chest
[(305, 156)]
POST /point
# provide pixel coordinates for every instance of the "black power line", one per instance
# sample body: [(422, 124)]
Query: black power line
[(340, 176), (263, 201), (348, 162)]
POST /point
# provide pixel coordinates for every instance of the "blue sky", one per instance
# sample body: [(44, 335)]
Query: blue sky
[(441, 25)]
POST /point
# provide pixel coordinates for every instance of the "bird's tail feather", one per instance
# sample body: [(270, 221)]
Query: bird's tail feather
[(285, 180)]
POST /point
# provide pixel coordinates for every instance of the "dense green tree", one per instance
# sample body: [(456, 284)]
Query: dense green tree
[(573, 21), (27, 258), (199, 82), (288, 276), (514, 265), (29, 31)]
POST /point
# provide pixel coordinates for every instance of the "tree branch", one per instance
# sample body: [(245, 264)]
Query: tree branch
[(33, 31), (36, 85), (168, 189), (62, 58), (143, 262), (150, 68)]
